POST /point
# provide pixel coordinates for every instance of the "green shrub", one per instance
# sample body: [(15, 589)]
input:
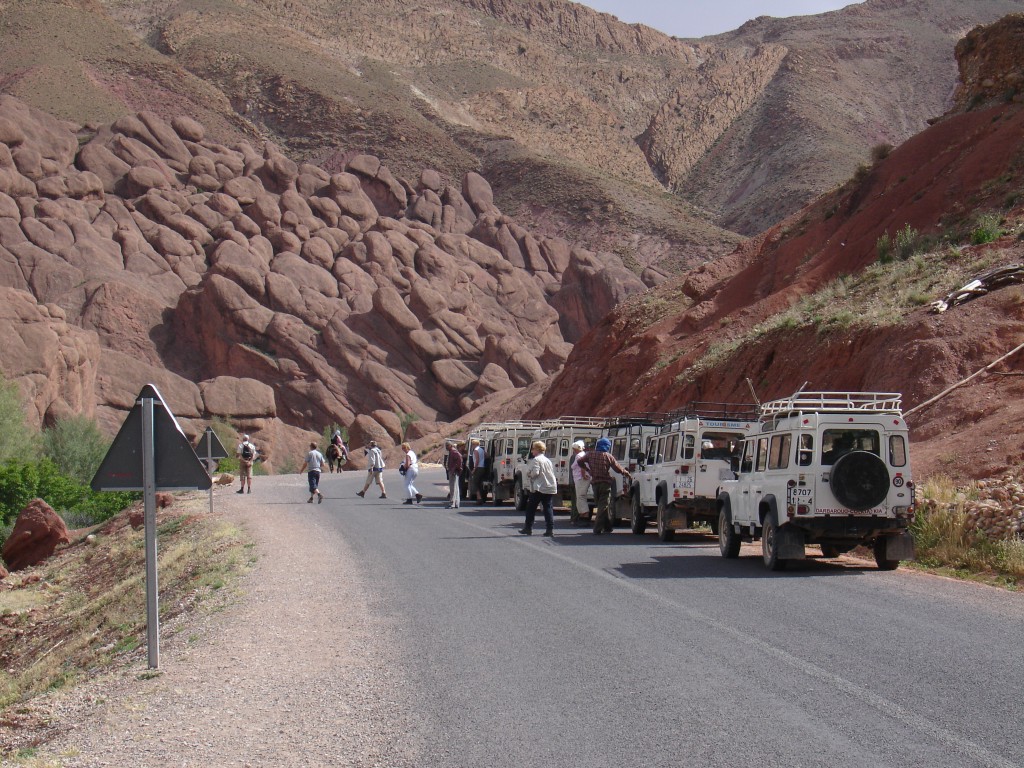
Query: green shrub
[(880, 151), (17, 440), (883, 246), (76, 446), (987, 229), (905, 243)]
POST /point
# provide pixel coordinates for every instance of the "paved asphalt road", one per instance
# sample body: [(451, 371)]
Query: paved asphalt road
[(623, 651)]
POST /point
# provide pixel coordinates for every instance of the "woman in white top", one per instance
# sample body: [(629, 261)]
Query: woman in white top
[(412, 468)]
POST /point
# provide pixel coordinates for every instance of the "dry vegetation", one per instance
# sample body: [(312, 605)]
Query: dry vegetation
[(83, 612)]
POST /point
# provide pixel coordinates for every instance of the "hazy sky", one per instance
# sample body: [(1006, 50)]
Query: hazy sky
[(697, 18)]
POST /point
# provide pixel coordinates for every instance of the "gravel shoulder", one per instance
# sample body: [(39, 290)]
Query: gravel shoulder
[(294, 672)]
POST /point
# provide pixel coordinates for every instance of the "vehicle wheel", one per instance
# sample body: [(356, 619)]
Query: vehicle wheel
[(770, 543), (519, 495), (880, 559), (664, 533), (829, 550), (859, 480), (728, 539), (638, 521)]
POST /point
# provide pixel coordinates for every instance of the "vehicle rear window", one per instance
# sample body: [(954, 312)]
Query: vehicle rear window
[(778, 455), (838, 442), (897, 451)]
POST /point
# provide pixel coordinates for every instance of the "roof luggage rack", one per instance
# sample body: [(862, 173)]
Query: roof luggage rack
[(834, 402), (638, 418), (720, 411), (576, 421)]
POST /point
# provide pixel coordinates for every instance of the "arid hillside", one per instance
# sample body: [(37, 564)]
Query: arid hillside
[(580, 122), (837, 296)]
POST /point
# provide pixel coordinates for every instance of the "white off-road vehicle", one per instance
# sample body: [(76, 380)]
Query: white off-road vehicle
[(677, 483), (825, 468), (507, 445), (558, 436)]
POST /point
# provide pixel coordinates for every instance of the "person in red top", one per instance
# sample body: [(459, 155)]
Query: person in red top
[(454, 475), (598, 464)]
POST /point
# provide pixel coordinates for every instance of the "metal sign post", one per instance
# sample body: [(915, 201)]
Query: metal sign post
[(149, 501), (214, 449), (151, 453)]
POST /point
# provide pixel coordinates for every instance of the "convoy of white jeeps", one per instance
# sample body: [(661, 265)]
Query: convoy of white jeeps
[(824, 468)]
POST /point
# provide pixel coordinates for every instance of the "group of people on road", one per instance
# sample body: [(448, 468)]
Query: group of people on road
[(588, 468)]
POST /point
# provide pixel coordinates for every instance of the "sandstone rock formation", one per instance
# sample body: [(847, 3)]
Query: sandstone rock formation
[(38, 531), (277, 295)]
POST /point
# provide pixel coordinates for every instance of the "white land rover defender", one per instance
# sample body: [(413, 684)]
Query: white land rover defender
[(678, 480), (558, 436), (826, 468), (507, 445)]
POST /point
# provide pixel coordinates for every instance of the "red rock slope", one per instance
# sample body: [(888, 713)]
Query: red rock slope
[(764, 312)]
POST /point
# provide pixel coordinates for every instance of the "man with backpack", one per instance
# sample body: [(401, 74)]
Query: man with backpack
[(246, 453)]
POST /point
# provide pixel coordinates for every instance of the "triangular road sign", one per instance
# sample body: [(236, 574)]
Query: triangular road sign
[(210, 446), (177, 466)]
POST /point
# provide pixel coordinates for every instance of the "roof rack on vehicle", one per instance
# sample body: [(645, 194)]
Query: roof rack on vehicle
[(834, 402), (721, 411), (495, 426), (576, 421), (652, 418)]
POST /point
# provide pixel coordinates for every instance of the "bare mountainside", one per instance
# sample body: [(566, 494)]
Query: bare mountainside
[(580, 122), (837, 295)]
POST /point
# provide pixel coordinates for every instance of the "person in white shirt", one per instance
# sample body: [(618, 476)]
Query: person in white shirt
[(412, 468), (581, 482), (478, 458), (540, 475), (374, 469), (313, 464), (246, 453)]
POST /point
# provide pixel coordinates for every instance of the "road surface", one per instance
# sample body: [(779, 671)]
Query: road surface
[(623, 651)]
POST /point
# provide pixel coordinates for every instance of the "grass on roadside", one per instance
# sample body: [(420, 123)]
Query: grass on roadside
[(84, 609), (947, 545)]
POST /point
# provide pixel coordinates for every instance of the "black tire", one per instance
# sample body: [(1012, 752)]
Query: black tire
[(829, 550), (770, 543), (664, 533), (859, 480), (638, 521), (880, 559), (728, 540), (519, 495)]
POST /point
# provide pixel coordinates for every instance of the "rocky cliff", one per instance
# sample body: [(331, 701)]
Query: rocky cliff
[(278, 295)]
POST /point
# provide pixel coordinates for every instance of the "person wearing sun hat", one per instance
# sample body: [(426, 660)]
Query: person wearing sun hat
[(598, 464)]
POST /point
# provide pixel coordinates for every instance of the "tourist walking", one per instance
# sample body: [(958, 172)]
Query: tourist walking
[(374, 469), (313, 464), (246, 453), (410, 468), (598, 464), (540, 475), (453, 460)]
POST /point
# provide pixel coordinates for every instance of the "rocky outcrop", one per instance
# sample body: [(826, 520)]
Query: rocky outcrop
[(991, 61), (277, 295), (38, 531)]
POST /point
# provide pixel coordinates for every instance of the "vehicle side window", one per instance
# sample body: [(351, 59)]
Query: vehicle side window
[(652, 452), (634, 448), (619, 448), (897, 451), (672, 446), (748, 457), (762, 454), (688, 443), (805, 450), (661, 450), (778, 455)]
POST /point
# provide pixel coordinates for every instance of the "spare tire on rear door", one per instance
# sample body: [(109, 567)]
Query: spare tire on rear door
[(859, 480)]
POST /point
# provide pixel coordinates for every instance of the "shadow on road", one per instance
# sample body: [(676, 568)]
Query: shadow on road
[(714, 566)]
